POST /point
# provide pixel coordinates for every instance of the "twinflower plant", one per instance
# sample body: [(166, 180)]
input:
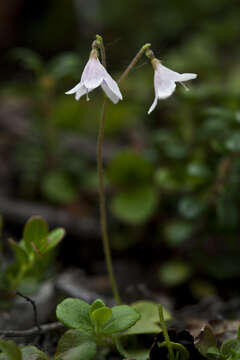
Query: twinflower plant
[(95, 75)]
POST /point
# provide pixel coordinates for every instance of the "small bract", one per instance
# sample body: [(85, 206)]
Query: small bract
[(93, 76), (165, 81)]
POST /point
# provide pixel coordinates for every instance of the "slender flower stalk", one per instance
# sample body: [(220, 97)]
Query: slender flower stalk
[(101, 191), (102, 202), (133, 62), (103, 218)]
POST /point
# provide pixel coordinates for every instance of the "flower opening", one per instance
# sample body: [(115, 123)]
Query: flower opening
[(93, 76), (165, 81)]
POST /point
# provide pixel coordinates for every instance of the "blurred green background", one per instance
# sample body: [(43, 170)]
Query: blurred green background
[(172, 178)]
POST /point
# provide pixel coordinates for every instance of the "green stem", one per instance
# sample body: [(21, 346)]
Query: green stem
[(133, 62), (99, 40), (103, 217), (165, 332)]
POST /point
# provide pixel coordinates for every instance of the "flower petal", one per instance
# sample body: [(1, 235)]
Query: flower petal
[(112, 85), (186, 77), (82, 91), (164, 86), (74, 89), (154, 104), (93, 74), (112, 96)]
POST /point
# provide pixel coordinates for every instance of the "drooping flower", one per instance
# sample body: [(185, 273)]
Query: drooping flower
[(93, 76), (165, 81)]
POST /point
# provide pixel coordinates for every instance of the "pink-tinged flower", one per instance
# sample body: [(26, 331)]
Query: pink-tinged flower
[(93, 76), (165, 82)]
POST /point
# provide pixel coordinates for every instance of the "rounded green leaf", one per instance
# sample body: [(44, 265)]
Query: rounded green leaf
[(174, 272), (33, 353), (97, 304), (233, 142), (76, 345), (130, 169), (191, 207), (101, 316), (149, 321), (135, 206), (35, 229), (74, 313), (123, 317), (10, 350), (59, 188)]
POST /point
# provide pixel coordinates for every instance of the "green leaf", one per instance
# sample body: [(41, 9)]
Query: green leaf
[(21, 255), (74, 313), (149, 321), (230, 347), (191, 207), (97, 304), (76, 345), (176, 232), (213, 350), (135, 206), (58, 188), (64, 65), (101, 316), (205, 340), (233, 142), (10, 350), (123, 317), (30, 59), (130, 169), (34, 231), (174, 272), (52, 240), (33, 353), (136, 353)]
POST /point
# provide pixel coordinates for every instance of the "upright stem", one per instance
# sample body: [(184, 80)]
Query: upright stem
[(103, 217), (133, 62), (165, 332)]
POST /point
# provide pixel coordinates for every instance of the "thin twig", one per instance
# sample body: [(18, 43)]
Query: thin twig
[(33, 331), (35, 312)]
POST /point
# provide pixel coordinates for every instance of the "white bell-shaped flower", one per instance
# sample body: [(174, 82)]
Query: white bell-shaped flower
[(165, 82), (94, 75)]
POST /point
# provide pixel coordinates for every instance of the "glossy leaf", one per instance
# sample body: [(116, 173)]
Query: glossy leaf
[(123, 317), (101, 316), (97, 304), (74, 313)]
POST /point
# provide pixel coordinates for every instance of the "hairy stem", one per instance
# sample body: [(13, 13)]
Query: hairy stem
[(103, 217), (133, 62)]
